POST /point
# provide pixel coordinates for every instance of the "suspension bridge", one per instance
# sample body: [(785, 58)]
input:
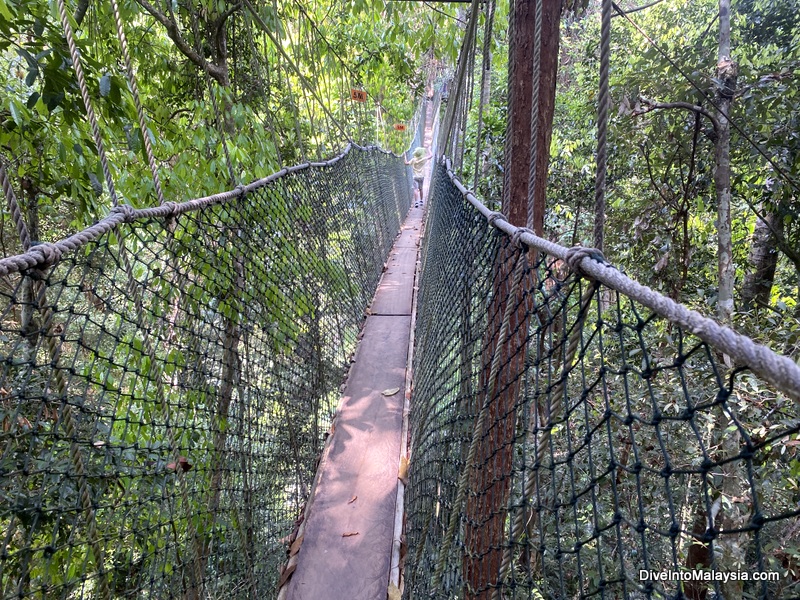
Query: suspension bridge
[(319, 385)]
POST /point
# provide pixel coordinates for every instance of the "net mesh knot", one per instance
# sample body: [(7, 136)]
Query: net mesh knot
[(516, 238), (576, 254), (126, 210), (494, 216)]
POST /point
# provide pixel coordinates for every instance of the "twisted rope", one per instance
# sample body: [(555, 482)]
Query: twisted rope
[(535, 94), (477, 430), (87, 101), (13, 208), (603, 101), (123, 41), (486, 69), (43, 255), (512, 74)]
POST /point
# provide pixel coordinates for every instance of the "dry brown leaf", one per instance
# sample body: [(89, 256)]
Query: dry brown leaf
[(353, 499), (295, 548), (350, 534), (393, 593), (287, 572), (390, 391), (402, 474)]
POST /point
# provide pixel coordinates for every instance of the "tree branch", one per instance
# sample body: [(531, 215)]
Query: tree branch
[(219, 31), (216, 71), (652, 105), (224, 16)]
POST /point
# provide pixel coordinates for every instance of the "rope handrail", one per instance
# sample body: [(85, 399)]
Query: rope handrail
[(166, 389), (780, 371), (43, 255)]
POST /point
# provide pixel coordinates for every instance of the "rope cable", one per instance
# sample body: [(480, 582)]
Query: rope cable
[(448, 132), (533, 165), (512, 73), (780, 371), (87, 102), (13, 208), (486, 70), (603, 102), (129, 74)]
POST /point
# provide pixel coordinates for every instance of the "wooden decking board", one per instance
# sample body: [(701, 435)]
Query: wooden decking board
[(409, 235), (396, 287), (363, 455)]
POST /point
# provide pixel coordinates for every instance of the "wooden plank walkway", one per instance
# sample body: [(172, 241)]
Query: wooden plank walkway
[(346, 546)]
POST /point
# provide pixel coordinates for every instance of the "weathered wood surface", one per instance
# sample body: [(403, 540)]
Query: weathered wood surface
[(363, 456)]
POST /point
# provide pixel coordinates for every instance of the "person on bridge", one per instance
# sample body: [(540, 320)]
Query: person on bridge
[(419, 159)]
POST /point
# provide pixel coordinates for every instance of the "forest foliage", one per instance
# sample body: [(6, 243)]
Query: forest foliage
[(274, 107), (661, 205), (270, 87)]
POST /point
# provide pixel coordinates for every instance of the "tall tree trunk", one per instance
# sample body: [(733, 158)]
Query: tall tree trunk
[(762, 262), (726, 76), (729, 545), (489, 482)]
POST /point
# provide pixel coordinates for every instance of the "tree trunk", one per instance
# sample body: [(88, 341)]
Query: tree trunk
[(726, 76), (762, 262), (490, 479)]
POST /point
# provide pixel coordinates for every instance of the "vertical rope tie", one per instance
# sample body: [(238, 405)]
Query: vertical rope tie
[(602, 126), (512, 74), (503, 339), (536, 97), (87, 101), (123, 41), (13, 208), (485, 71)]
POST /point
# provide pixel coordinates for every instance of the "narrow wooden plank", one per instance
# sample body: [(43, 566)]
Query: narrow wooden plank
[(409, 235), (362, 463), (397, 285)]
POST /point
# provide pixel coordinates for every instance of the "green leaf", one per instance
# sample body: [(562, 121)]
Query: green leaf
[(105, 85), (32, 75), (4, 12), (16, 112)]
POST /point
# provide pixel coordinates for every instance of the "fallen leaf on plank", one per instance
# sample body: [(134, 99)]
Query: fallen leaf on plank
[(402, 473), (350, 534), (286, 574), (295, 548), (390, 391), (393, 593)]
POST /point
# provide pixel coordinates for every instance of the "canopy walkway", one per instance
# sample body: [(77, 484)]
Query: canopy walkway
[(169, 374), (314, 386)]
